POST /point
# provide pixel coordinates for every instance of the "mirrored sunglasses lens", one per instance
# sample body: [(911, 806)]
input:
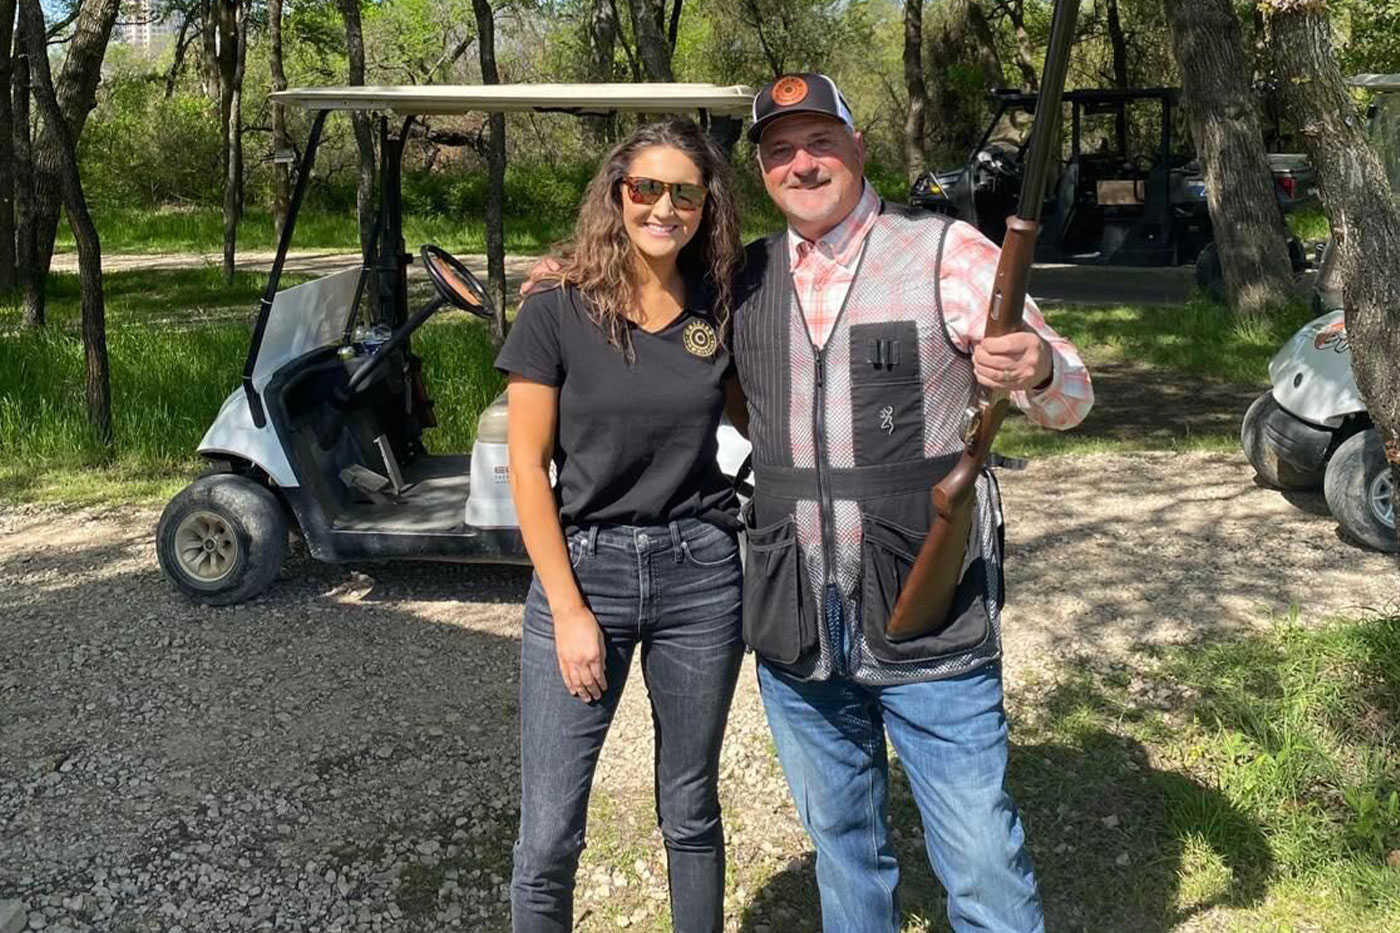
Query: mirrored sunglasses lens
[(645, 190), (688, 197)]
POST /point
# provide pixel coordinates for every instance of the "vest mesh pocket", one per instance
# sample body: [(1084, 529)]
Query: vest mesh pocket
[(779, 620)]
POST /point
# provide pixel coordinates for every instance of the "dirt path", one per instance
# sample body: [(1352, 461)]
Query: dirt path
[(1053, 283), (340, 753)]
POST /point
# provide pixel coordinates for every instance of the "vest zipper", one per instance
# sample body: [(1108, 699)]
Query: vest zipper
[(828, 512)]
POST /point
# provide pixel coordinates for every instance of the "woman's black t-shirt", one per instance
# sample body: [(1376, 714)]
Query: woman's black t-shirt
[(635, 442)]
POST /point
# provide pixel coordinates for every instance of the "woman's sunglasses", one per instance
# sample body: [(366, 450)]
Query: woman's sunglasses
[(684, 197)]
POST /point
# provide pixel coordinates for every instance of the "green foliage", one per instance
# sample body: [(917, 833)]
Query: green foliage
[(139, 149)]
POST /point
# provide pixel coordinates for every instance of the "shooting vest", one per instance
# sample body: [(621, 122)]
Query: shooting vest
[(848, 442)]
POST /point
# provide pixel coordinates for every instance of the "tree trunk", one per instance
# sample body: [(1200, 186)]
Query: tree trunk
[(1206, 43), (602, 43), (986, 44), (1025, 60), (1356, 193), (673, 31), (364, 132), (177, 61), (914, 141), (281, 139), (1118, 43), (76, 92), (99, 395), (496, 165), (233, 43), (652, 46), (31, 278), (7, 151), (209, 41)]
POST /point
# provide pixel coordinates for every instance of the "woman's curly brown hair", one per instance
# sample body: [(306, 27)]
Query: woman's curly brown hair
[(599, 259)]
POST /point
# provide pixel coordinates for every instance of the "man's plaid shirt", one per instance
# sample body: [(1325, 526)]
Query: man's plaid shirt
[(822, 273)]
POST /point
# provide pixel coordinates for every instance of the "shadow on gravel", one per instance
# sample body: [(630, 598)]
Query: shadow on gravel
[(310, 755), (1111, 838)]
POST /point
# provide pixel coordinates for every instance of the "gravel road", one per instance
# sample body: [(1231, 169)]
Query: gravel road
[(340, 753)]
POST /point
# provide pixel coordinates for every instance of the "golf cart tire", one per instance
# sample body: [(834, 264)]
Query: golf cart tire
[(1260, 448), (251, 524), (1356, 470), (1210, 275)]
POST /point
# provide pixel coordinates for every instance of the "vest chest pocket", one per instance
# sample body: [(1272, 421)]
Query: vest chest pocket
[(886, 393)]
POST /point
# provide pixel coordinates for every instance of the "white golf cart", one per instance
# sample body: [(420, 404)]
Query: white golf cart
[(1311, 428), (326, 430)]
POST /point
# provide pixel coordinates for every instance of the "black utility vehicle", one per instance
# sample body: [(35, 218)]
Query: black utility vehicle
[(1128, 193)]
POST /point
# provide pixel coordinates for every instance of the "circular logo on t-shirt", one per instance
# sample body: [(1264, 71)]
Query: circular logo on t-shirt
[(789, 91), (700, 339)]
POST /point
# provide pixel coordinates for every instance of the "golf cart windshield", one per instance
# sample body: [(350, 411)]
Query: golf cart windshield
[(304, 318)]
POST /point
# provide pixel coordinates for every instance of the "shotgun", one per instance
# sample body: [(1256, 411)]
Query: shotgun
[(927, 596)]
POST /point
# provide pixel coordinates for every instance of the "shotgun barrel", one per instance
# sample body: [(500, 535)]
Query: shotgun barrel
[(926, 598)]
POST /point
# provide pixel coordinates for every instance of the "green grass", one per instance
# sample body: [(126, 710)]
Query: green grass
[(176, 230), (144, 230), (1201, 338), (1309, 225), (168, 382), (1254, 776)]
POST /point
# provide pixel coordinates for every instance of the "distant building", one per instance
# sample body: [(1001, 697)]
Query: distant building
[(144, 25)]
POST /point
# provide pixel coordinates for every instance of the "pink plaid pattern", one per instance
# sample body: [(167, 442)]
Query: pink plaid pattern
[(822, 274)]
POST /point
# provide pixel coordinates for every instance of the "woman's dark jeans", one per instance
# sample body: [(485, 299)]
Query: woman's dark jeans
[(674, 590)]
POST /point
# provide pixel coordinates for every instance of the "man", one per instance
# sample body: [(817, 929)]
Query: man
[(858, 337)]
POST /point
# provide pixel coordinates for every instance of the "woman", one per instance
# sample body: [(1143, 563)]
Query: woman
[(617, 379)]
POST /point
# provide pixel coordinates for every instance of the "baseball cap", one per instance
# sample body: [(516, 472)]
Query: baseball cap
[(798, 93)]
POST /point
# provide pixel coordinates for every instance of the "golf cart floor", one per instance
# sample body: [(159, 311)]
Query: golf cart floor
[(434, 501)]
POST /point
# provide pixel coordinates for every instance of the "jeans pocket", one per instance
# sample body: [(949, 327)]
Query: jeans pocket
[(779, 614), (712, 547), (888, 552)]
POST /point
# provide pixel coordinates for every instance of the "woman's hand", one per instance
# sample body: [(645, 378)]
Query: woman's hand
[(578, 641)]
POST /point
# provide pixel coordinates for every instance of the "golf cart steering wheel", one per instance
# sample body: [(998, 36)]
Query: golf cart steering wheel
[(456, 283)]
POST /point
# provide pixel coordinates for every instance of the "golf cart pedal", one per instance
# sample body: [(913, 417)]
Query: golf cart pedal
[(363, 479), (391, 463)]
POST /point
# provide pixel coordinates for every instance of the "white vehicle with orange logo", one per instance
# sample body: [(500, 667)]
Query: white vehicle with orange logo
[(1312, 429)]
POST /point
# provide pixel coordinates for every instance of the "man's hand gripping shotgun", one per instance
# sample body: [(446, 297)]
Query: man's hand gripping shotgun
[(927, 596)]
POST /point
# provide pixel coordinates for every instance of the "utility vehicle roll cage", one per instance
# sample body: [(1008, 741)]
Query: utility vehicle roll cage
[(720, 110)]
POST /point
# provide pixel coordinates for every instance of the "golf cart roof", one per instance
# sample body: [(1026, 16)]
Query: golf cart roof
[(1376, 82), (407, 100)]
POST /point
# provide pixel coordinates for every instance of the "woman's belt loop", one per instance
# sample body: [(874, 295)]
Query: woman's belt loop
[(677, 542), (592, 540)]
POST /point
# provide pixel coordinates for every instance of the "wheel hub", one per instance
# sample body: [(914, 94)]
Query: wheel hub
[(206, 547), (1382, 497)]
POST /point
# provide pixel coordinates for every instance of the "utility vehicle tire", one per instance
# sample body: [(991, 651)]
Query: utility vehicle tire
[(1361, 491), (222, 539), (1210, 275), (1261, 452)]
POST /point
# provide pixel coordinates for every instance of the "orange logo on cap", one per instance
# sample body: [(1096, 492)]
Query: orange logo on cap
[(789, 91)]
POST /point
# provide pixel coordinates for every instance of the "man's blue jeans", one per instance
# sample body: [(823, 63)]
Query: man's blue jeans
[(950, 736), (672, 591)]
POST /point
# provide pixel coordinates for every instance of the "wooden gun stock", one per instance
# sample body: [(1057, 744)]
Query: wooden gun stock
[(927, 596)]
